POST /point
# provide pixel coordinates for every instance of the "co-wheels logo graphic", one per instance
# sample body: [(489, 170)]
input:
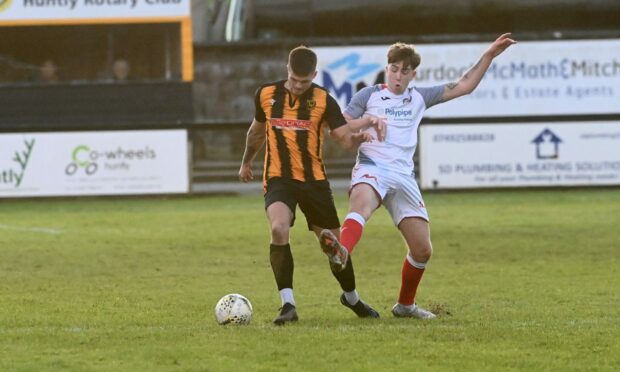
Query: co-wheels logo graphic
[(81, 158), (90, 161), (4, 4)]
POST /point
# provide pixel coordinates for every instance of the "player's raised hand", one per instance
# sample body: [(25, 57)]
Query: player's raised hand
[(502, 43), (361, 137), (380, 126), (245, 173)]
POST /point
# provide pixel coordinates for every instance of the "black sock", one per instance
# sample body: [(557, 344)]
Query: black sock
[(282, 265), (346, 277)]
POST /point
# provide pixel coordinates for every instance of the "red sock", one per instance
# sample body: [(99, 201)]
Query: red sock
[(410, 279), (351, 231)]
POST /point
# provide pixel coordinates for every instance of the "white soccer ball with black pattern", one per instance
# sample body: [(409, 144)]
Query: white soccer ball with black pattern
[(233, 309)]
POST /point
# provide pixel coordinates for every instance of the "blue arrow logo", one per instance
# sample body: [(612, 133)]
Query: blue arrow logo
[(352, 64)]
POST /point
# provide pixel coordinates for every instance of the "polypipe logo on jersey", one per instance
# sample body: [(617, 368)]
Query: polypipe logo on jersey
[(15, 177), (90, 160), (399, 114), (4, 4)]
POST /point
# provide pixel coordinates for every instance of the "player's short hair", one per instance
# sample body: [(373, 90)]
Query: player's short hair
[(302, 60), (404, 52)]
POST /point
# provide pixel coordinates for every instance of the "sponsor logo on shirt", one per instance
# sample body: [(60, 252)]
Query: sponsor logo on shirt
[(293, 124), (399, 113)]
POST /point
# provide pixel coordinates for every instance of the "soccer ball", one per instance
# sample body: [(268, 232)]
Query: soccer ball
[(233, 309)]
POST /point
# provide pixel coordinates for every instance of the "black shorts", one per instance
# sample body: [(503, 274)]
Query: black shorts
[(315, 200)]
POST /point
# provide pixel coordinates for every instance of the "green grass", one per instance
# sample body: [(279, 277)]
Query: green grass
[(523, 280)]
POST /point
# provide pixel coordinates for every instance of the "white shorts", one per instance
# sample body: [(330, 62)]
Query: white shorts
[(399, 192)]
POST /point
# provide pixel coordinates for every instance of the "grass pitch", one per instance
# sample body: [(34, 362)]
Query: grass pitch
[(522, 280)]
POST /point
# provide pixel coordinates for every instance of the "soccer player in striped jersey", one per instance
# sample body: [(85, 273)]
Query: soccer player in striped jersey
[(291, 118), (384, 173)]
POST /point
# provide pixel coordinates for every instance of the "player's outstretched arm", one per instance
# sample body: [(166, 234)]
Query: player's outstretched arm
[(470, 80), (366, 121), (348, 138), (253, 143)]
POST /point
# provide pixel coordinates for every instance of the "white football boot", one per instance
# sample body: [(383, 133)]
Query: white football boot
[(411, 311)]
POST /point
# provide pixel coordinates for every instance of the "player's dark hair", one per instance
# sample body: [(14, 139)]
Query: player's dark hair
[(406, 53), (302, 60)]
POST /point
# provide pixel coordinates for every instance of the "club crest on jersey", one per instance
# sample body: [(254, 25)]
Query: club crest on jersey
[(310, 104), (407, 100)]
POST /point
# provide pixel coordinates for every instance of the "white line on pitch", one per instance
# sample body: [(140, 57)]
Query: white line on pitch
[(44, 230)]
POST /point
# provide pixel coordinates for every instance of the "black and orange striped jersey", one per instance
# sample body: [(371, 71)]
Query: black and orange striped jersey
[(294, 130)]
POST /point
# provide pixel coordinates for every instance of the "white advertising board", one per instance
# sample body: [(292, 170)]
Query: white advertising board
[(93, 163), (524, 154), (529, 79), (30, 10)]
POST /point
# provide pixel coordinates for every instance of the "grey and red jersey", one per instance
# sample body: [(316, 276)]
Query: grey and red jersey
[(402, 114)]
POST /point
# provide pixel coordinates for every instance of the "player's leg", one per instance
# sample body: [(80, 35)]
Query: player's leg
[(316, 201), (280, 256), (367, 191), (280, 206), (416, 233), (318, 206), (363, 201), (346, 278), (409, 214)]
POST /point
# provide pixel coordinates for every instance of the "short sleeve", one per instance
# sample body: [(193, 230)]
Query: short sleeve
[(259, 114), (431, 95), (357, 107), (333, 115)]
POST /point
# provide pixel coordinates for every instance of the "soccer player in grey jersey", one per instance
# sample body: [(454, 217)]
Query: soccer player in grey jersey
[(383, 173)]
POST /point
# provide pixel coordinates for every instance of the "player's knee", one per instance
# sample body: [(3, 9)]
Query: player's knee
[(423, 251), (363, 209), (367, 211), (428, 252), (363, 203), (279, 231)]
